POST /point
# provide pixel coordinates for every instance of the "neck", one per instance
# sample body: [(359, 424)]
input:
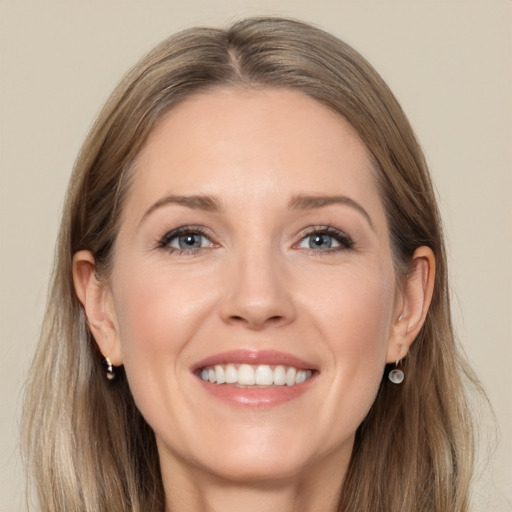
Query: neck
[(198, 491)]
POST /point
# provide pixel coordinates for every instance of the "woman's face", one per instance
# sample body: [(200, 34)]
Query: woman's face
[(253, 248)]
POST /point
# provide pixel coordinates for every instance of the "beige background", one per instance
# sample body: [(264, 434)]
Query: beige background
[(450, 65)]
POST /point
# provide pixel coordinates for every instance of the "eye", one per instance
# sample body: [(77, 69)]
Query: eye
[(185, 239), (189, 241), (326, 239)]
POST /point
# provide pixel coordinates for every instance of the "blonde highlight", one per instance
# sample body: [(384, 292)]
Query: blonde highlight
[(87, 445)]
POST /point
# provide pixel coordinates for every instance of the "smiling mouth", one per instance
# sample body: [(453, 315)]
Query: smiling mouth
[(262, 375)]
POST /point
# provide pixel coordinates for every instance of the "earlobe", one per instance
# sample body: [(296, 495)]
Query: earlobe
[(416, 297), (97, 301)]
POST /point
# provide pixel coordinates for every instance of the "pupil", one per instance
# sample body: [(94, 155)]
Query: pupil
[(190, 241), (322, 241)]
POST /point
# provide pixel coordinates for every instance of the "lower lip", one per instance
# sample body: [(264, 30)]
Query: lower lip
[(253, 397)]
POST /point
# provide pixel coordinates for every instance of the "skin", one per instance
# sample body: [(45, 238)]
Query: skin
[(255, 284)]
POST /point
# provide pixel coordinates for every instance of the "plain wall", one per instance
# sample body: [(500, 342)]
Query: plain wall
[(448, 62)]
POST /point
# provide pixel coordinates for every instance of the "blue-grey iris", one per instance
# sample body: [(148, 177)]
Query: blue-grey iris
[(189, 240), (321, 241)]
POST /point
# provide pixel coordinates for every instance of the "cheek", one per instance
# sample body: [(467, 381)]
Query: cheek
[(356, 326), (357, 311), (157, 315)]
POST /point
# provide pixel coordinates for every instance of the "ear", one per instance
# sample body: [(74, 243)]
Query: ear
[(97, 300), (412, 309)]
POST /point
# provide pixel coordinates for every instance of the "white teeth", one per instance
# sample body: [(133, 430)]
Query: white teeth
[(246, 375), (290, 376), (260, 375), (302, 376), (231, 374), (220, 374), (279, 375), (264, 375)]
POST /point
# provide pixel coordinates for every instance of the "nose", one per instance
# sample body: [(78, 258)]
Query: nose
[(256, 294)]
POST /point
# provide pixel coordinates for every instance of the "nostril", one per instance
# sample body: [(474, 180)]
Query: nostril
[(256, 310), (256, 321)]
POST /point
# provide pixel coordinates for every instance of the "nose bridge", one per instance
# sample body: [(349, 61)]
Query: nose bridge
[(256, 295)]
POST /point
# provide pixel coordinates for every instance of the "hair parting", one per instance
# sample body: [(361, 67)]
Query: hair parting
[(86, 444)]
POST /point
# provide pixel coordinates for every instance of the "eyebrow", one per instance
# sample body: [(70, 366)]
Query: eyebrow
[(302, 202), (298, 202), (198, 202)]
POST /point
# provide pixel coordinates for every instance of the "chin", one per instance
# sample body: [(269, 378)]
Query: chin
[(242, 458), (257, 469), (272, 457)]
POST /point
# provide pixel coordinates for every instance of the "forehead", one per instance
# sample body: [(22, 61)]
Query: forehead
[(266, 142)]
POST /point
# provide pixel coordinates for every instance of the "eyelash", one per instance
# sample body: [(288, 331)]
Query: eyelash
[(344, 240), (164, 242)]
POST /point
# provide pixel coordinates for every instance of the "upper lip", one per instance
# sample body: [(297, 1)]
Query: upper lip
[(255, 357)]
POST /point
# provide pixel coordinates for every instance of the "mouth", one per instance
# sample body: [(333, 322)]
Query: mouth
[(262, 375), (257, 379)]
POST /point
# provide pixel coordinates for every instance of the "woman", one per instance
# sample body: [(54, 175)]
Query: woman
[(250, 303)]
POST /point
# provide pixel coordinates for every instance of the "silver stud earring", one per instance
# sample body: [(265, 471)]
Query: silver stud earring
[(396, 376), (109, 369)]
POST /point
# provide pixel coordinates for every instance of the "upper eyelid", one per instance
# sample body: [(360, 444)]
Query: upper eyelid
[(329, 229), (315, 228), (203, 231), (345, 240), (186, 229), (181, 230)]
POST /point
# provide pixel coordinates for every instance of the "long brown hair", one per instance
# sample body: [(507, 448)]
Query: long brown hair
[(87, 445)]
